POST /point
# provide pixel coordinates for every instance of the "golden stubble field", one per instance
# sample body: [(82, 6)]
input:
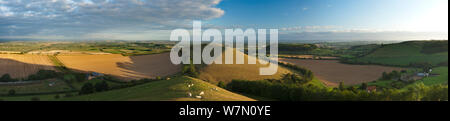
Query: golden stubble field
[(228, 72), (123, 67), (331, 72), (23, 65)]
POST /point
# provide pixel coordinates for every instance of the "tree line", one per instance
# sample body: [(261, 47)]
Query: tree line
[(295, 92)]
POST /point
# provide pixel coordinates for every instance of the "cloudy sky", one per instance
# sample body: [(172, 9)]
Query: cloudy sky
[(155, 19)]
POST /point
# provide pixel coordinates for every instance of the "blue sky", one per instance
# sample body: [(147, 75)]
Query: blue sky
[(154, 19)]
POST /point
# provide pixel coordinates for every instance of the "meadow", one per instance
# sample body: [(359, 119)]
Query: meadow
[(407, 53)]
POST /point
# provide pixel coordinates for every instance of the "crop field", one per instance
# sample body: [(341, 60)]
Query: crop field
[(123, 67), (228, 72), (23, 65), (331, 72)]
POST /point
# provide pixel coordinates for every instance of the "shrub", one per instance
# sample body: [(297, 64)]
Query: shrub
[(35, 99), (12, 92), (57, 96), (7, 78), (87, 88), (101, 86)]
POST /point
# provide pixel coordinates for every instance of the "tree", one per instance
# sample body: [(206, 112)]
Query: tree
[(341, 86), (70, 78), (385, 76), (57, 96), (35, 99), (364, 86), (87, 88), (102, 86), (12, 92), (6, 78), (221, 84)]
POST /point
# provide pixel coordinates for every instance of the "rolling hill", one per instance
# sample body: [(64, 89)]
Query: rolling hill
[(167, 90), (227, 72), (403, 54)]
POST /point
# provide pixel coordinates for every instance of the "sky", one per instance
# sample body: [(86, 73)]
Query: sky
[(155, 19)]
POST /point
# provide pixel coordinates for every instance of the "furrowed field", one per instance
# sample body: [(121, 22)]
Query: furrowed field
[(331, 72), (23, 65), (123, 67)]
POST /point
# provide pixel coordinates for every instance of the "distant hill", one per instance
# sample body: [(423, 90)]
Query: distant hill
[(407, 53), (167, 90)]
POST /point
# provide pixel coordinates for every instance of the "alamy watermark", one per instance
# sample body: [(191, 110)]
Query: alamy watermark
[(234, 41)]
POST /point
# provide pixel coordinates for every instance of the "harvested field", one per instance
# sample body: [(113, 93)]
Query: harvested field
[(331, 72), (123, 67), (227, 72), (21, 66)]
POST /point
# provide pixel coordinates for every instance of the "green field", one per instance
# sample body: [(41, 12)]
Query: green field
[(41, 87), (440, 79), (403, 54), (165, 90), (126, 48)]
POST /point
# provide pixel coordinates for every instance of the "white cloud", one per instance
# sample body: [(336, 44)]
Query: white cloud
[(72, 17)]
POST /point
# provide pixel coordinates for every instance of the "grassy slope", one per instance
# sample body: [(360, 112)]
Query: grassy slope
[(167, 90), (174, 89), (403, 54)]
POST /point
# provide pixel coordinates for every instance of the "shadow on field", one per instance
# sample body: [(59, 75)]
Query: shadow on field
[(18, 70), (149, 66)]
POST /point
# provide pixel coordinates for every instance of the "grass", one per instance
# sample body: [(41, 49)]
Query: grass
[(42, 87), (403, 54), (442, 78), (175, 89), (58, 64)]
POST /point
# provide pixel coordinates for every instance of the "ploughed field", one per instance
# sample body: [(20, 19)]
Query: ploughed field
[(122, 67), (331, 72), (23, 65)]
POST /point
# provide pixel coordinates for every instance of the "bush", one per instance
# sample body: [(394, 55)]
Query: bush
[(43, 74), (221, 84), (292, 92), (101, 86), (68, 95), (35, 99), (57, 96), (12, 92), (7, 78), (87, 88)]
